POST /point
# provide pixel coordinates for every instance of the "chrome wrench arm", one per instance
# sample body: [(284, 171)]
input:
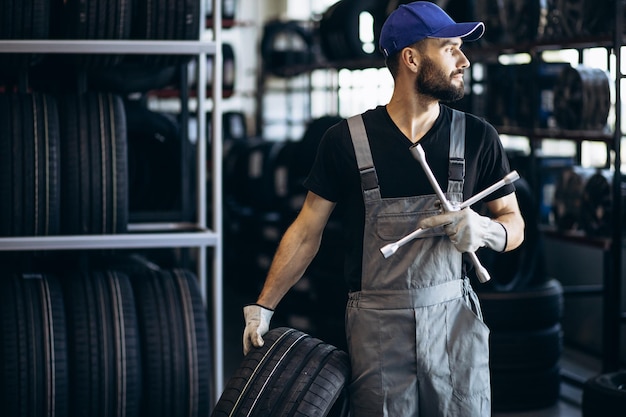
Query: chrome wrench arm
[(391, 248), (418, 153)]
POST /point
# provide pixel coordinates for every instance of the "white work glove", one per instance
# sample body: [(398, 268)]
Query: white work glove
[(257, 320), (468, 230)]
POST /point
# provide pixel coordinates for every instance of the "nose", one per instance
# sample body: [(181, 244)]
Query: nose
[(463, 61)]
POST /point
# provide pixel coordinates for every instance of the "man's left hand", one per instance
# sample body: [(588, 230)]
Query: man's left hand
[(468, 230)]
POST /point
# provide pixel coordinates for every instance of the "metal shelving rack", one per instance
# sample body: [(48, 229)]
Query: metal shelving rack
[(160, 235), (614, 317)]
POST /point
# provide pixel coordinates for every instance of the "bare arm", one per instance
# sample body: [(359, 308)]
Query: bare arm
[(296, 250), (505, 211)]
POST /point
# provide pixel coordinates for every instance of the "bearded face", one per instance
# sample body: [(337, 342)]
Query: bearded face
[(432, 81)]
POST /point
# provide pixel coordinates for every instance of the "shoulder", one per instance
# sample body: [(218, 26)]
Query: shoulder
[(479, 125), (339, 133), (472, 121)]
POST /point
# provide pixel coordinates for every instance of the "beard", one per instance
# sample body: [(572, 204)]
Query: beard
[(432, 81)]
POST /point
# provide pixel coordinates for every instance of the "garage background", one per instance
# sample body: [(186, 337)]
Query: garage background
[(143, 222)]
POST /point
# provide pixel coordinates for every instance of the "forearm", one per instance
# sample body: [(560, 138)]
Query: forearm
[(505, 211), (513, 224)]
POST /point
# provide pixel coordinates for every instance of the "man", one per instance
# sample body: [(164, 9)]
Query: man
[(416, 339)]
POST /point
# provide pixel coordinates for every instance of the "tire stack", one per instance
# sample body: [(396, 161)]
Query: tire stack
[(523, 309), (28, 19), (582, 98), (69, 172), (583, 201), (511, 21), (103, 343), (572, 19), (525, 22), (525, 346), (520, 95), (76, 156), (73, 174)]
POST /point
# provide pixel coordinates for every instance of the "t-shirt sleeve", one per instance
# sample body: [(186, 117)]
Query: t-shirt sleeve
[(494, 165), (329, 171)]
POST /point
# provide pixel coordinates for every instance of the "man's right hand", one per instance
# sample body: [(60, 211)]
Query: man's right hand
[(257, 320)]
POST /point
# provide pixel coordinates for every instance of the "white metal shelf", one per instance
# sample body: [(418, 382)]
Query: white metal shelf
[(111, 241), (141, 235), (159, 47)]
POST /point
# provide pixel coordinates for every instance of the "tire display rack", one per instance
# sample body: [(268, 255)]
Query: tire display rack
[(614, 318), (195, 234)]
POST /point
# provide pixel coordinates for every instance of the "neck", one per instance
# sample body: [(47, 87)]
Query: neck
[(414, 115)]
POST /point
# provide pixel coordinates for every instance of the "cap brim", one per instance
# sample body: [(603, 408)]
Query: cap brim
[(469, 31)]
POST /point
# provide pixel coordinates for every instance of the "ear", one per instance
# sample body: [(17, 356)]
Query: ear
[(410, 58)]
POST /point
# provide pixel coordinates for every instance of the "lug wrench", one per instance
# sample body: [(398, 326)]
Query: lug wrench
[(391, 248), (418, 153)]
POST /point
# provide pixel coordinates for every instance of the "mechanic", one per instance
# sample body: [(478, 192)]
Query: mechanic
[(416, 339)]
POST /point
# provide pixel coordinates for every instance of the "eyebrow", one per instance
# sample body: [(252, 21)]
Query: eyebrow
[(451, 41)]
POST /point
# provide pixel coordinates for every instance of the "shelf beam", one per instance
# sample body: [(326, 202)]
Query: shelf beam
[(107, 47), (115, 241)]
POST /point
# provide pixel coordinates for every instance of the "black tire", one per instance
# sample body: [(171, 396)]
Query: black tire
[(279, 59), (605, 395), (340, 30), (94, 167), (526, 350), (33, 350), (293, 374), (582, 98), (29, 165), (103, 345), (94, 19), (536, 307), (22, 19), (525, 389), (174, 344), (154, 160), (260, 174), (166, 20), (132, 77)]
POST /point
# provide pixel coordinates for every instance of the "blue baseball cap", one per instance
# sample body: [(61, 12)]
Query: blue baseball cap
[(415, 21)]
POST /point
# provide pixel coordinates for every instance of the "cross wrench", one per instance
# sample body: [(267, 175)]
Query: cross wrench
[(509, 178), (418, 153)]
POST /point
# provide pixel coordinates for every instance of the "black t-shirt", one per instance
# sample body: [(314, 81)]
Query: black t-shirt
[(335, 175)]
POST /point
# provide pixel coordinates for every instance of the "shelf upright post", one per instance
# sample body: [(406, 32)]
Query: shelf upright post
[(612, 285), (216, 163)]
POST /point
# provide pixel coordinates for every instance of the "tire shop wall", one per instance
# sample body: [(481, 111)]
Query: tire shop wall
[(559, 96), (101, 332)]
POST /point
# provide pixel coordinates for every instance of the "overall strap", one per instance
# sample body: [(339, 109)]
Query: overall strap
[(364, 160), (456, 164)]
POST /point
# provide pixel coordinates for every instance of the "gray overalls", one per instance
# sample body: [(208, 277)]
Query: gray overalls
[(417, 343)]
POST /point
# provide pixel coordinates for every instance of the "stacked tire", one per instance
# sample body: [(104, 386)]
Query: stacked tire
[(103, 343), (525, 346), (523, 309), (64, 164), (582, 98)]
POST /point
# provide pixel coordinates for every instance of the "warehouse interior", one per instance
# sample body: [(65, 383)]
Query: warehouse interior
[(129, 249)]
